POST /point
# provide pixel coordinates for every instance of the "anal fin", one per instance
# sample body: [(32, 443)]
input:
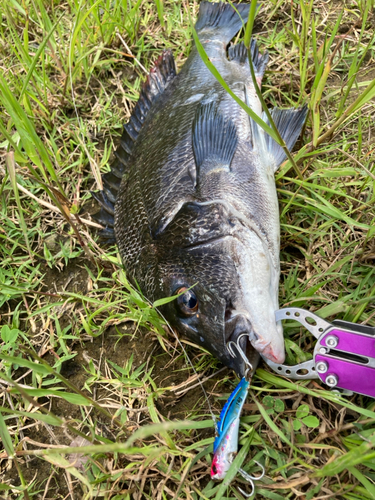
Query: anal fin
[(214, 140)]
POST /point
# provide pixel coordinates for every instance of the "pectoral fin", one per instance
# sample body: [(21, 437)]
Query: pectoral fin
[(214, 141)]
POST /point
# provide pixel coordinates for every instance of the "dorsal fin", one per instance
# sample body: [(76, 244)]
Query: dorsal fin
[(238, 53), (157, 81), (214, 140)]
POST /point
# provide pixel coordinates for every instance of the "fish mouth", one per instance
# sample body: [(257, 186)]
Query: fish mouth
[(239, 330), (269, 351)]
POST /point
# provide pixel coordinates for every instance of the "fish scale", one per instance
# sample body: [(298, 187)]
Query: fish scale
[(197, 207)]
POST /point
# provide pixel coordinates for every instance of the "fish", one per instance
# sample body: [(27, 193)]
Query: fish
[(191, 197)]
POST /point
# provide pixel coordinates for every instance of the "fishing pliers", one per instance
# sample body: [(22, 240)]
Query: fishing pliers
[(344, 354)]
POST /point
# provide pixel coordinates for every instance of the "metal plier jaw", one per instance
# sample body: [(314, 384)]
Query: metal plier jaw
[(344, 355)]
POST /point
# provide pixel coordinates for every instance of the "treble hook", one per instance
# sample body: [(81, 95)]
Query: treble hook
[(247, 495), (249, 366), (250, 479)]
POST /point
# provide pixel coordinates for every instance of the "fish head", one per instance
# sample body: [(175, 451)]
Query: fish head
[(201, 279), (226, 279), (255, 300)]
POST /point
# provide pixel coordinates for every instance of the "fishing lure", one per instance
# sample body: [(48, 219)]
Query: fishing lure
[(226, 441)]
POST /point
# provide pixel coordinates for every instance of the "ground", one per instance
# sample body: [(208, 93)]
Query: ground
[(99, 398)]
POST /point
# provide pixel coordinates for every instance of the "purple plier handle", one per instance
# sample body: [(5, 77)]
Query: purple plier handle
[(344, 355)]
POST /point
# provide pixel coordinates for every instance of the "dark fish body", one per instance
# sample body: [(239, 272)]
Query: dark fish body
[(197, 208)]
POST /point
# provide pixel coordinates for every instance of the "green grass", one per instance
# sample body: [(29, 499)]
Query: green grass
[(87, 367)]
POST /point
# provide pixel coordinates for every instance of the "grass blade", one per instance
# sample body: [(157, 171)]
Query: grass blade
[(222, 82), (5, 437), (12, 175)]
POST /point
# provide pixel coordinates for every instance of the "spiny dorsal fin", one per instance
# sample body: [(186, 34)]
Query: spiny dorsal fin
[(289, 123), (238, 53), (157, 81), (221, 20), (105, 216), (214, 140)]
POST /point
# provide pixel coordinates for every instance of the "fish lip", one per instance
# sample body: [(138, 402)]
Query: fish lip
[(267, 350), (235, 326), (269, 353), (259, 346)]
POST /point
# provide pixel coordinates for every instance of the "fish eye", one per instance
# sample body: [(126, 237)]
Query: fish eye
[(187, 302), (214, 469)]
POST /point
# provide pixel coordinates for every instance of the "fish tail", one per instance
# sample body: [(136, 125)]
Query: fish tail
[(159, 78), (221, 20)]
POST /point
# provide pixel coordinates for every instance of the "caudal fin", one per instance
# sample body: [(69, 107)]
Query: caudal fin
[(221, 21)]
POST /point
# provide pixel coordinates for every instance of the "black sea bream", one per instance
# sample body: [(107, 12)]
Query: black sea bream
[(197, 206)]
